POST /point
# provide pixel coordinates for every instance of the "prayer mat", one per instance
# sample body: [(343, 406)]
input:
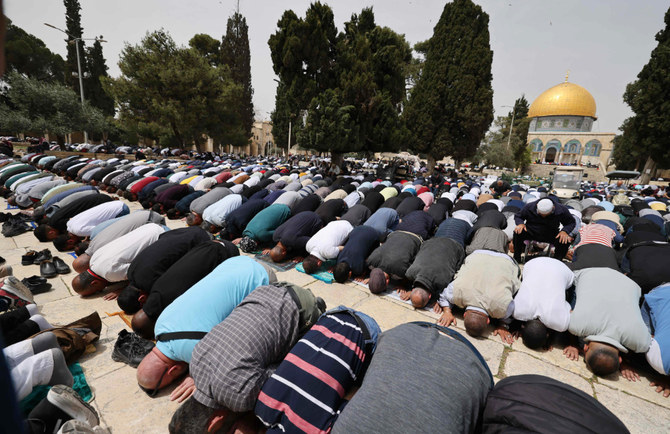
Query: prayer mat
[(326, 275), (12, 207), (40, 392), (264, 256), (73, 254)]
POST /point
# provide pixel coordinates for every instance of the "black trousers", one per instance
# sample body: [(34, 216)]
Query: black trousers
[(560, 249), (16, 326)]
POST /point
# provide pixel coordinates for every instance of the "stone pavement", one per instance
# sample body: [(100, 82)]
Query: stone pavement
[(125, 408)]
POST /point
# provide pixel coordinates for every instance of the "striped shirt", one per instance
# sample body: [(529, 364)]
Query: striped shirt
[(596, 234), (306, 392)]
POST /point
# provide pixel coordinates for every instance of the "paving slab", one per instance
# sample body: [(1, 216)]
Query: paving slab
[(640, 388), (518, 363), (490, 350), (97, 361), (638, 415), (387, 313), (336, 294), (556, 357), (74, 307)]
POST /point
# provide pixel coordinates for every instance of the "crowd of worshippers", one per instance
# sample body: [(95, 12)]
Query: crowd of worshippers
[(594, 270)]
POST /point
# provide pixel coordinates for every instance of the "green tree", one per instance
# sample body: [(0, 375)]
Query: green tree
[(352, 86), (208, 47), (39, 107), (626, 154), (74, 29), (648, 131), (28, 55), (94, 92), (176, 88), (236, 55), (451, 107)]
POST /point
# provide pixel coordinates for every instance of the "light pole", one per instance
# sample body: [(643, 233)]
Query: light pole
[(511, 125), (81, 81)]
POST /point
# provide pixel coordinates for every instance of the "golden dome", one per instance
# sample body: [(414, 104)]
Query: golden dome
[(565, 99)]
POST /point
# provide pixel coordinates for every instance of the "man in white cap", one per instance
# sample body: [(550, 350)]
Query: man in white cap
[(540, 220)]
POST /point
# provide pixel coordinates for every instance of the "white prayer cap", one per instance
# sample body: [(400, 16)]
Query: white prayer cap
[(545, 206)]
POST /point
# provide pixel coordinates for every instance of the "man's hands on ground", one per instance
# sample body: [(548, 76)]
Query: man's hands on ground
[(184, 390), (662, 386), (564, 238), (403, 294), (112, 295), (505, 335), (571, 352), (628, 373), (447, 318), (520, 228)]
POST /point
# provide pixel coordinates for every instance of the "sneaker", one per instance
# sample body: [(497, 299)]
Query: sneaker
[(16, 287), (46, 417), (75, 426), (69, 401), (130, 348)]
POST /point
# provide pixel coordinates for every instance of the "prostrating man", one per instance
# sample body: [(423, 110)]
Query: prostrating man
[(111, 232), (432, 270), (341, 333), (451, 364), (193, 314), (331, 209), (81, 225), (237, 220), (607, 317), (230, 365), (183, 274), (326, 244), (215, 215), (154, 261), (57, 223), (360, 244), (656, 315), (384, 220), (199, 205), (261, 228), (484, 286), (110, 263), (540, 302), (539, 221), (292, 235)]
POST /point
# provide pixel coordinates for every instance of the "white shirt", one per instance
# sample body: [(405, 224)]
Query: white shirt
[(217, 212), (83, 223), (542, 293), (654, 357), (325, 243), (111, 261)]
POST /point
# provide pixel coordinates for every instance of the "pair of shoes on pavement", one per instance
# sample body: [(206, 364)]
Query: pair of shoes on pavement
[(14, 294), (37, 284), (33, 257), (64, 411)]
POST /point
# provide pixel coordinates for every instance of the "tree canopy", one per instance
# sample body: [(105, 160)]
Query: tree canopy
[(647, 133), (94, 92), (451, 107), (41, 107), (351, 84), (236, 55), (28, 55), (177, 88)]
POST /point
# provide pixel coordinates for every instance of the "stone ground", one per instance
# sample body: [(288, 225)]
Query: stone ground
[(123, 407)]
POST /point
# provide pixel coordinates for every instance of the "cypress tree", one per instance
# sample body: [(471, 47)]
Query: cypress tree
[(74, 29), (451, 107), (92, 85), (236, 55)]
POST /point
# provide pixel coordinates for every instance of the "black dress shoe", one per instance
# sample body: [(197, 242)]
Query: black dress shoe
[(48, 269), (28, 258), (42, 256), (61, 266), (130, 348), (36, 284)]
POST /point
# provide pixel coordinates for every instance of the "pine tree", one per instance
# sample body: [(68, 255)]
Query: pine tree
[(236, 55), (451, 107), (92, 84), (648, 131), (74, 29)]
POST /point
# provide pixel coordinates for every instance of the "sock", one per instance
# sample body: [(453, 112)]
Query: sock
[(32, 309), (61, 374), (43, 342), (40, 321)]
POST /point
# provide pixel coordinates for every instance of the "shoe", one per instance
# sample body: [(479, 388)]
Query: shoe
[(130, 348), (46, 417), (48, 269), (69, 401), (61, 266), (16, 287), (11, 228), (5, 270), (42, 256), (28, 258), (36, 284), (75, 426)]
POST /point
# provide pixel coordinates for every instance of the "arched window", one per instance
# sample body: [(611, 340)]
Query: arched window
[(554, 144), (536, 145), (572, 147), (593, 148)]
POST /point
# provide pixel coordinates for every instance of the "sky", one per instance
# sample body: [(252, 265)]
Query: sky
[(604, 43)]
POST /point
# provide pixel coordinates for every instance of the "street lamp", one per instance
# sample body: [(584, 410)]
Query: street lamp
[(288, 149), (81, 82), (511, 125)]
